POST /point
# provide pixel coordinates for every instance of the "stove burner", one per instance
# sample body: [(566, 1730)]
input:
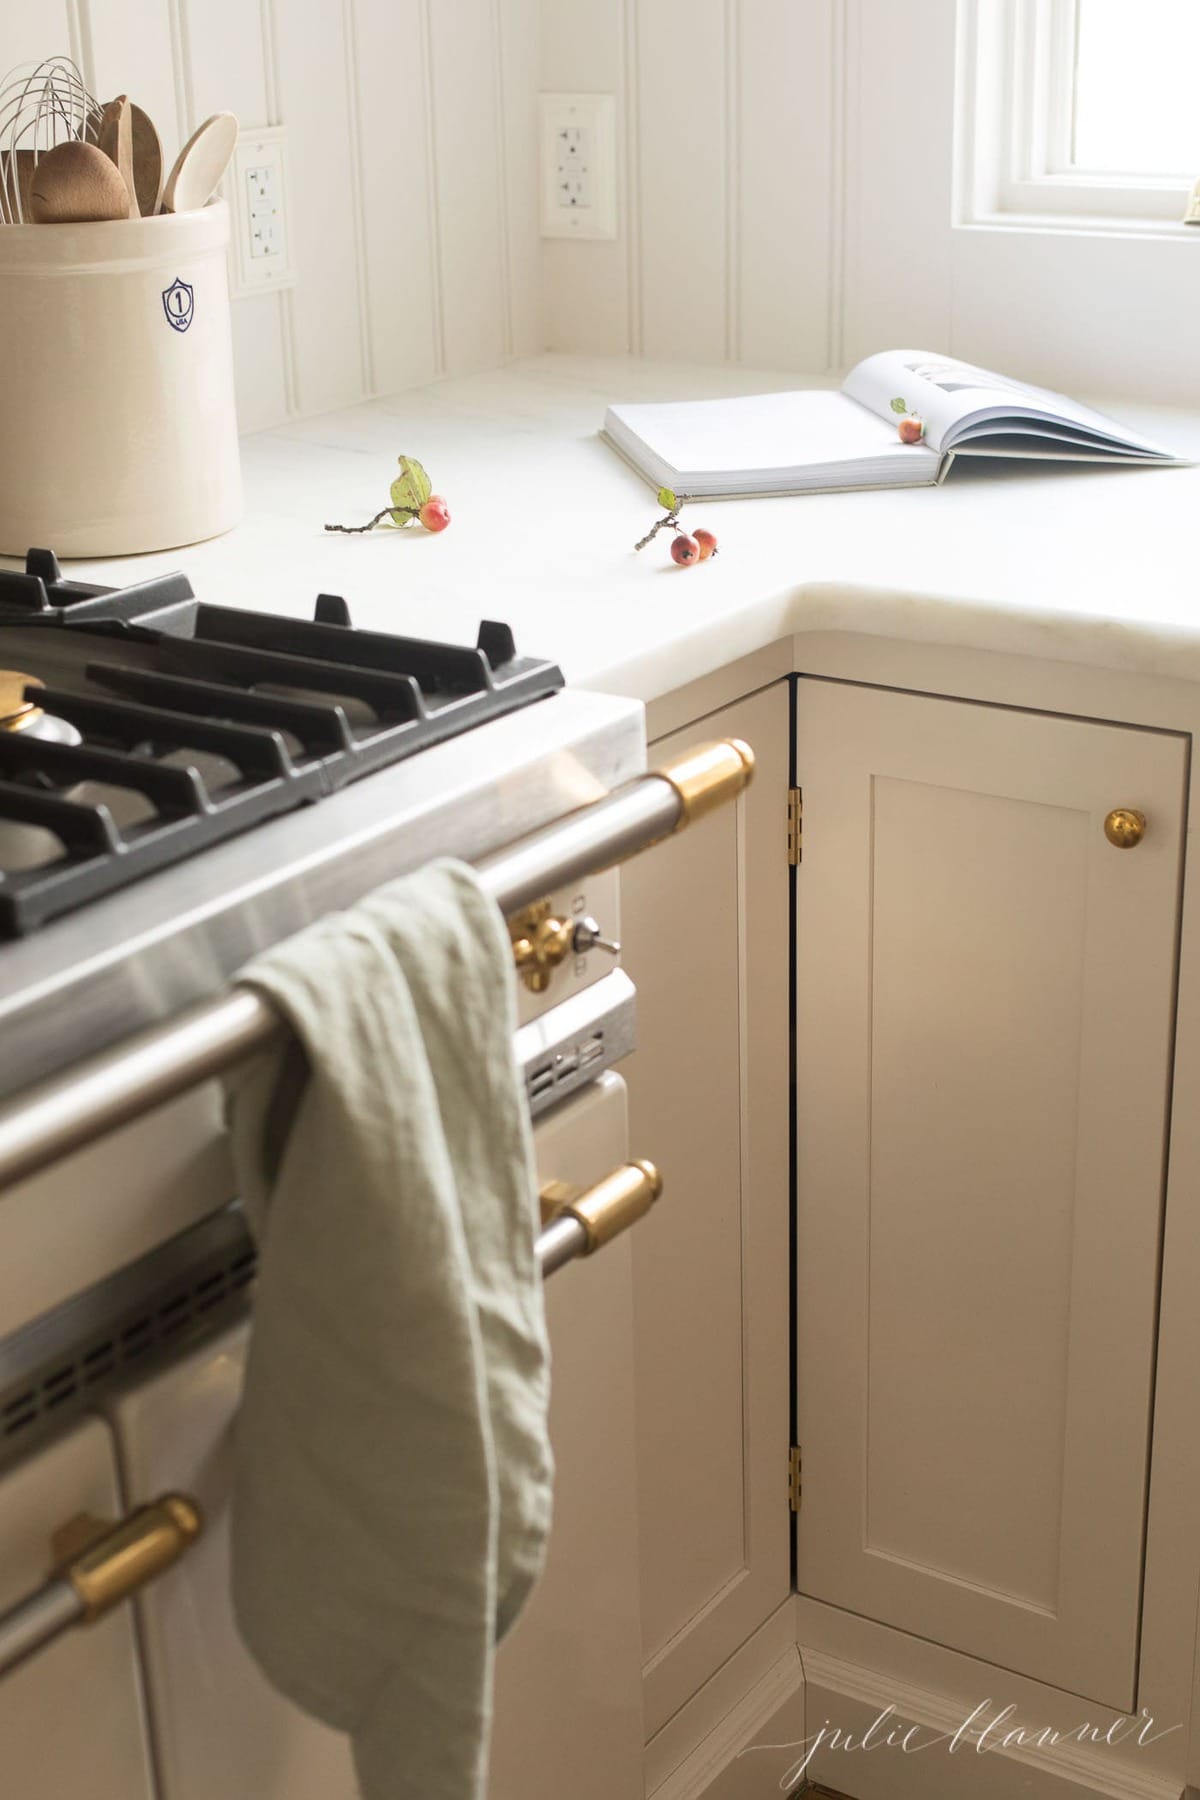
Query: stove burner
[(41, 596), (211, 720)]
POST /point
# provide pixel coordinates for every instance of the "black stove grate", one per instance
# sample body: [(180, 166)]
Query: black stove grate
[(217, 719)]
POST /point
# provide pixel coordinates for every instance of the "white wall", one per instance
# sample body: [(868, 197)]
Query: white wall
[(786, 193), (413, 154), (788, 201), (727, 110)]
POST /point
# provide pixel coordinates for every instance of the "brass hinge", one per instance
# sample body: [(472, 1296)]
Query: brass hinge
[(795, 825), (795, 1481)]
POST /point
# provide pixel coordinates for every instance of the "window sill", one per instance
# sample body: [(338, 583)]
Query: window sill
[(1081, 225)]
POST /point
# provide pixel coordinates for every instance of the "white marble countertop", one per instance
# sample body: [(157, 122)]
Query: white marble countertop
[(1079, 563)]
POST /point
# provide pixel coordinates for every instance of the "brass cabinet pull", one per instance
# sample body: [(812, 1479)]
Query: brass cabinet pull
[(98, 1563), (1125, 828), (598, 1213)]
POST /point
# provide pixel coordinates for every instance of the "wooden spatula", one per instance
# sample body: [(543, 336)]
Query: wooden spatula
[(116, 141), (147, 162)]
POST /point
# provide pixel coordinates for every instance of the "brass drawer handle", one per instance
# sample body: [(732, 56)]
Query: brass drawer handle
[(1125, 828), (615, 1203), (98, 1563)]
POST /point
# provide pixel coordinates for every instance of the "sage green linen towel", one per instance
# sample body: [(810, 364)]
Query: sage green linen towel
[(393, 1471)]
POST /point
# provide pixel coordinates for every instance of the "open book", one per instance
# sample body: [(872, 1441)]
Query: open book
[(828, 439)]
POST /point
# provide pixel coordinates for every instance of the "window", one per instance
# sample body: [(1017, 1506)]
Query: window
[(1084, 109)]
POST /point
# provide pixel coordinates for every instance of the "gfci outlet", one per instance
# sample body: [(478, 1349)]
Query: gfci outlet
[(258, 191), (579, 166)]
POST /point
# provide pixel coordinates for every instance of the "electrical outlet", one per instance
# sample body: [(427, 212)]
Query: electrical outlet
[(261, 256), (579, 166)]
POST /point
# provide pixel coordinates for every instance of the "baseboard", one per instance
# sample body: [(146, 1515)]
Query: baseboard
[(723, 1766), (909, 1755)]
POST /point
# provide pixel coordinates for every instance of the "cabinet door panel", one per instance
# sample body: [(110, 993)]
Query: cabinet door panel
[(704, 928), (984, 1016)]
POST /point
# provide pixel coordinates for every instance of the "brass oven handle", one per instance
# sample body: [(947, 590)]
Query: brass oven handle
[(98, 1564), (703, 778), (112, 1087), (708, 776), (583, 1220)]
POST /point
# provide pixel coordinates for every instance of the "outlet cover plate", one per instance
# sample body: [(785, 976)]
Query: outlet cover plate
[(260, 255), (579, 165)]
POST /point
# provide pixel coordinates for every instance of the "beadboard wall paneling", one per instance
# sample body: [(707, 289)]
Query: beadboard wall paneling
[(315, 89), (519, 80), (399, 198), (476, 309), (590, 287), (897, 286), (790, 117), (212, 81), (412, 146), (728, 111), (131, 51), (687, 134)]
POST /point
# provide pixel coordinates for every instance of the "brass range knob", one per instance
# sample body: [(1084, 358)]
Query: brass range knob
[(1125, 828), (540, 942)]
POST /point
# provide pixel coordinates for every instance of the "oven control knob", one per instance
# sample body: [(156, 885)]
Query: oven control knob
[(588, 936), (540, 942)]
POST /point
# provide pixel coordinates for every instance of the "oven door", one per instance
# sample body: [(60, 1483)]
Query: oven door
[(568, 1719), (568, 1696), (72, 1717)]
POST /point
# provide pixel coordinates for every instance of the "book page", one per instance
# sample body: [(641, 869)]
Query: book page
[(759, 439), (953, 397)]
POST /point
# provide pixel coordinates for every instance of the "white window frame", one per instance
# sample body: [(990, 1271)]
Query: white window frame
[(1014, 162)]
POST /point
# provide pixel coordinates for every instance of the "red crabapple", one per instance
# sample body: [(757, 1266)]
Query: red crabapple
[(685, 550), (435, 514)]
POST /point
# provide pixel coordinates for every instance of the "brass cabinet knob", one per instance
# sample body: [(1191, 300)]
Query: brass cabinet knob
[(1125, 828)]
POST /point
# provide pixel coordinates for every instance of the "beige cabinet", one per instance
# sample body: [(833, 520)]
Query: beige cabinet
[(984, 1029), (704, 927)]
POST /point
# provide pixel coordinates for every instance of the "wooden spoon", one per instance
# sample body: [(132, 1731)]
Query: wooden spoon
[(75, 183), (147, 162), (200, 164), (116, 140)]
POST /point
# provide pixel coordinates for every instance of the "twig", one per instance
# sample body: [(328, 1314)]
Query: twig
[(389, 512), (672, 519)]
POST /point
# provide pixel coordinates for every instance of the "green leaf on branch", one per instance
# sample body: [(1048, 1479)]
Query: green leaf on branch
[(898, 406), (411, 488), (667, 500)]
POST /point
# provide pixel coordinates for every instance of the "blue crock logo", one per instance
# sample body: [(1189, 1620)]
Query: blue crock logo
[(179, 304)]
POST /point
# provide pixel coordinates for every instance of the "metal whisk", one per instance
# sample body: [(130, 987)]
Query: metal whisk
[(41, 104)]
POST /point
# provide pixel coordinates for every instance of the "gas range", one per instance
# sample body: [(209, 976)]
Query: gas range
[(190, 783), (143, 725)]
